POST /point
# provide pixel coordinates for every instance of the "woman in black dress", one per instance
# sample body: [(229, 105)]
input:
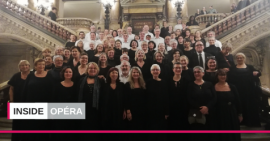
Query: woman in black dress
[(202, 101), (210, 73), (144, 46), (103, 65), (89, 88), (113, 107), (133, 49), (136, 103), (229, 114), (198, 37), (212, 49), (99, 49), (165, 67), (246, 79), (188, 50), (16, 84), (161, 48), (157, 104), (224, 58), (66, 55), (142, 64), (75, 62), (65, 92), (178, 103), (151, 49), (180, 45), (192, 21), (39, 87), (80, 71), (71, 42), (186, 71)]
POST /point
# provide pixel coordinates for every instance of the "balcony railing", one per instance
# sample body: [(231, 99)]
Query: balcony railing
[(37, 19), (210, 18), (239, 17), (75, 22)]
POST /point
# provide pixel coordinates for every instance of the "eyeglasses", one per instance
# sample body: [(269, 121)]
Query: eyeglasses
[(199, 45), (178, 68), (197, 72), (155, 69)]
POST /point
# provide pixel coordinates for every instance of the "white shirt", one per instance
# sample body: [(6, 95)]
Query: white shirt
[(148, 33), (86, 45), (157, 41), (203, 58), (131, 37), (98, 41), (140, 44), (217, 44), (126, 45), (169, 48), (83, 40), (119, 38), (119, 68), (87, 36), (178, 26), (123, 79)]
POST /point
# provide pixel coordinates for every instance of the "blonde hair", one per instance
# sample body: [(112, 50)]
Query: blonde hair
[(165, 51), (141, 80), (95, 65), (47, 49), (184, 57), (227, 45), (37, 60), (159, 53), (23, 62), (138, 52), (240, 54), (102, 54)]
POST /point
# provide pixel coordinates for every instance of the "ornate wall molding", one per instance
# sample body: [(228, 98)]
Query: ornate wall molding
[(14, 28)]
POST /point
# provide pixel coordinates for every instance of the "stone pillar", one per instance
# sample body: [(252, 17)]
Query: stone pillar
[(171, 13), (31, 5), (102, 17), (114, 16)]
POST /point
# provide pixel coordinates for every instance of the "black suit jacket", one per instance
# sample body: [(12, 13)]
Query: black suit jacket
[(194, 59)]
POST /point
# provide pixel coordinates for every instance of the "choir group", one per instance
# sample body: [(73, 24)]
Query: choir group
[(179, 81)]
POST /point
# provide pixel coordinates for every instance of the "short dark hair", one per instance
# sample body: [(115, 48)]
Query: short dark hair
[(62, 73), (75, 47), (108, 78), (124, 50), (133, 41), (54, 8), (176, 50), (118, 41), (152, 43), (148, 35), (220, 72), (81, 32), (176, 63), (83, 54)]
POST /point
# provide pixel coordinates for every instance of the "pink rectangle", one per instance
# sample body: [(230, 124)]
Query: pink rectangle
[(134, 131), (8, 108)]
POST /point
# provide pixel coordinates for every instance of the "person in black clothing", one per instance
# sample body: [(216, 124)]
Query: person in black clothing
[(161, 48), (16, 84), (164, 30), (212, 49), (133, 49), (65, 91), (242, 4), (55, 72), (79, 72), (186, 71), (180, 45), (229, 113), (99, 49), (144, 46), (136, 103), (48, 63), (151, 49), (202, 100), (192, 21), (210, 73), (224, 58), (198, 37), (188, 50), (71, 42), (89, 88), (246, 79), (117, 49), (199, 57), (173, 44), (112, 60), (46, 52), (67, 55), (157, 103), (163, 64), (113, 107), (52, 14), (198, 13), (143, 64), (178, 103), (103, 66), (75, 62), (38, 88)]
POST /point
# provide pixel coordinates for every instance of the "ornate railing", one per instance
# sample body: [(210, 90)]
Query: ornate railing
[(210, 18), (37, 19), (4, 97), (75, 22), (239, 17)]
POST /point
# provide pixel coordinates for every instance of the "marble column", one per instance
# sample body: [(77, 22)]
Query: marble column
[(102, 17), (114, 15)]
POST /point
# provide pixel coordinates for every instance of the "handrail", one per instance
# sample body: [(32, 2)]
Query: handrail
[(38, 19), (75, 22), (210, 18), (3, 85), (239, 17)]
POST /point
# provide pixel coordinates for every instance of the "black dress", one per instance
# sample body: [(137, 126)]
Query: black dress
[(229, 108), (37, 89), (70, 44), (136, 102), (47, 68), (145, 69), (90, 54), (94, 59), (178, 119), (249, 93), (64, 94), (203, 95), (104, 71), (212, 49), (77, 76), (118, 53), (180, 47), (224, 63), (55, 72), (189, 54), (164, 32), (188, 74), (17, 83), (157, 107), (210, 77), (70, 63), (131, 54), (165, 70), (150, 55)]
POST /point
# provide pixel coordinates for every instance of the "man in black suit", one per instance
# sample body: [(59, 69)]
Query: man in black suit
[(199, 57)]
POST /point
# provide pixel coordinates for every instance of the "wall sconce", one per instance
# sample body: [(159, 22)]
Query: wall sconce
[(178, 4), (108, 4)]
